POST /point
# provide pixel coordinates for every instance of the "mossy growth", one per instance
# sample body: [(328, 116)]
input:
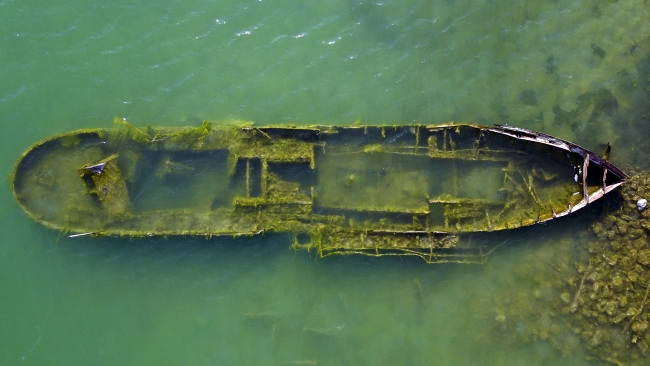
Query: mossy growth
[(105, 181)]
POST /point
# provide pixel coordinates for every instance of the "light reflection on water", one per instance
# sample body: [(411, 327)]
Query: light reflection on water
[(253, 300)]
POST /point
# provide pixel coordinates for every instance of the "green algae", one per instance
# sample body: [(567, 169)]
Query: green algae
[(105, 181)]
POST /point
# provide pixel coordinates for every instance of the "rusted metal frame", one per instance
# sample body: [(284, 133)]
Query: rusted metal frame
[(444, 140), (160, 138), (437, 257), (591, 198), (585, 192), (464, 201), (258, 232), (402, 150), (527, 135), (609, 189), (264, 202), (377, 210), (435, 128), (265, 176), (409, 232), (79, 235), (248, 177), (149, 234), (459, 155), (517, 185), (474, 155), (417, 139), (477, 144), (452, 144), (252, 128), (409, 153), (454, 172), (529, 186), (414, 232)]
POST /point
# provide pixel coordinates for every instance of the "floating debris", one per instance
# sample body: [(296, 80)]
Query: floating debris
[(641, 204), (373, 190)]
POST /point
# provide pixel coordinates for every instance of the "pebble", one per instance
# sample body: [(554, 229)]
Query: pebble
[(639, 327), (597, 339), (641, 204), (565, 297), (644, 257)]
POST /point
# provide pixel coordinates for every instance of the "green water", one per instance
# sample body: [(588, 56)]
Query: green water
[(74, 64)]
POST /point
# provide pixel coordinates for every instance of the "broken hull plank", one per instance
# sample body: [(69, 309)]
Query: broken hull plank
[(374, 190)]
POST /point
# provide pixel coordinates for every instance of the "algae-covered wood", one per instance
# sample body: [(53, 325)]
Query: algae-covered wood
[(374, 190)]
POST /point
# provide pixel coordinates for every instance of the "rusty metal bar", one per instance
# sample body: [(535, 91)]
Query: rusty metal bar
[(248, 177), (585, 192)]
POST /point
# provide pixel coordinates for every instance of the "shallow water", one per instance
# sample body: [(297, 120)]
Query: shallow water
[(77, 64)]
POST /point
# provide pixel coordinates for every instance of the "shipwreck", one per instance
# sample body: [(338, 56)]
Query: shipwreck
[(374, 190)]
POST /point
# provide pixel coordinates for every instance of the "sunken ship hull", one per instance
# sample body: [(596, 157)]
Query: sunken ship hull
[(375, 190)]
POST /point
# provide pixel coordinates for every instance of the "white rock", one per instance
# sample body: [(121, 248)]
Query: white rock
[(641, 204)]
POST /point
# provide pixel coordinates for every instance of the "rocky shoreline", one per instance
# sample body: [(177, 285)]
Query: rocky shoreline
[(590, 296)]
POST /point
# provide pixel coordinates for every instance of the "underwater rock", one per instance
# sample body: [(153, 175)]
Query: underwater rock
[(604, 101), (596, 339), (529, 97), (644, 257), (617, 283), (640, 327), (565, 297), (599, 52), (563, 117), (551, 65)]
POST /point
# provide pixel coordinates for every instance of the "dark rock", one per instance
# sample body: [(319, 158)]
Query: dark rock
[(599, 52), (551, 65), (644, 257), (529, 97)]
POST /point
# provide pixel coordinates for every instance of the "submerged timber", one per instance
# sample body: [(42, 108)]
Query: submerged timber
[(375, 190)]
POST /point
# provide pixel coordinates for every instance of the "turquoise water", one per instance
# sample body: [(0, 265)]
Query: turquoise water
[(77, 64)]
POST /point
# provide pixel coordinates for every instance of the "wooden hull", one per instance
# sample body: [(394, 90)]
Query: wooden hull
[(358, 189)]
